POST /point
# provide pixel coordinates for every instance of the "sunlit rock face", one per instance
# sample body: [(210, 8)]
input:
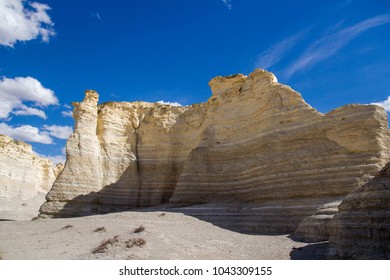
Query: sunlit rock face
[(25, 179), (23, 174), (255, 157)]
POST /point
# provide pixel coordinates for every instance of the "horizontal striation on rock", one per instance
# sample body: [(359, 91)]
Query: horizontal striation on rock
[(25, 179), (361, 228), (23, 174), (254, 142)]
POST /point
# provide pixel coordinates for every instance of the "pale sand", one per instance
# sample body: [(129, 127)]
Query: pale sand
[(19, 209), (167, 235)]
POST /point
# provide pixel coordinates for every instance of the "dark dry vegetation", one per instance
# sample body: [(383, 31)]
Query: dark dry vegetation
[(105, 244), (139, 229), (100, 229), (67, 227), (139, 242)]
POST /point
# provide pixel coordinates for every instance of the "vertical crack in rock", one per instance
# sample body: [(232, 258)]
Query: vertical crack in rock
[(138, 164)]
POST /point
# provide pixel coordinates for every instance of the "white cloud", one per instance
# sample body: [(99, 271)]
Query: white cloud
[(21, 20), (329, 45), (169, 103), (56, 159), (30, 133), (23, 110), (228, 3), (67, 114), (276, 52), (385, 104), (13, 92), (61, 132), (26, 133)]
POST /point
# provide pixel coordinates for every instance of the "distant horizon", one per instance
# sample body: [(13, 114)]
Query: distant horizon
[(333, 53)]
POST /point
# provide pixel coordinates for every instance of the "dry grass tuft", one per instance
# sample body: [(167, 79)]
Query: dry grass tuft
[(105, 244), (67, 227), (139, 229), (100, 229), (139, 242)]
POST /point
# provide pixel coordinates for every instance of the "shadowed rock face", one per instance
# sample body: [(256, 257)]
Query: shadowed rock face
[(361, 228), (255, 157)]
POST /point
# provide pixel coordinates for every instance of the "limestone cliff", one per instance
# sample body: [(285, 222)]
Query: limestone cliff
[(255, 155), (361, 228), (22, 173), (25, 179)]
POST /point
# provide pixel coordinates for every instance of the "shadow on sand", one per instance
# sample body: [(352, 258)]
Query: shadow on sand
[(232, 215), (315, 251)]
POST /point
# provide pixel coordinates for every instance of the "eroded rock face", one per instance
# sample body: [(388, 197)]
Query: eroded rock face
[(22, 173), (256, 156), (25, 179), (361, 228)]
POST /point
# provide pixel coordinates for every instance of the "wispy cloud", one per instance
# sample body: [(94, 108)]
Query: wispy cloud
[(329, 45), (67, 114), (228, 3), (55, 159), (344, 4), (278, 51), (96, 15), (385, 104)]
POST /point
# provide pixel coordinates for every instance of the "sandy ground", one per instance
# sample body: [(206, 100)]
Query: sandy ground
[(19, 209), (165, 236)]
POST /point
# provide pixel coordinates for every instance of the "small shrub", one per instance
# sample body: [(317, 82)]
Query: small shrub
[(100, 229), (139, 229), (67, 227), (105, 244), (139, 242), (162, 215)]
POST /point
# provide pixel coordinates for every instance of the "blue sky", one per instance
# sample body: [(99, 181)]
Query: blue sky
[(332, 52)]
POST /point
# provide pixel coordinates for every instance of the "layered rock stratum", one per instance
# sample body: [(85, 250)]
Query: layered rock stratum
[(361, 228), (255, 157), (24, 178)]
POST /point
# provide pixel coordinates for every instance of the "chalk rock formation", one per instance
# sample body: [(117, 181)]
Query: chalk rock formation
[(25, 179), (315, 228), (361, 228), (22, 173), (256, 156)]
